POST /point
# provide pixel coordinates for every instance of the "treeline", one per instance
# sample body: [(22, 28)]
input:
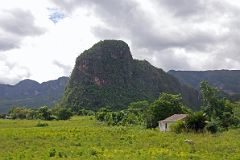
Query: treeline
[(133, 115), (43, 113), (217, 113), (143, 112)]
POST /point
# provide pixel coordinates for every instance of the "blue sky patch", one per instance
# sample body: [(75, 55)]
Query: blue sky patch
[(55, 15)]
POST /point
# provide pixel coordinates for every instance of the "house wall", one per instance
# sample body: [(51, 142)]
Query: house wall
[(162, 126), (169, 125), (165, 126)]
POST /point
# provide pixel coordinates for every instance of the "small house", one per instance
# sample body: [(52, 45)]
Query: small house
[(164, 125)]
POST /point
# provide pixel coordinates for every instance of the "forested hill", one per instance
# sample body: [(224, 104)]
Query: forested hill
[(30, 93), (226, 80), (107, 75)]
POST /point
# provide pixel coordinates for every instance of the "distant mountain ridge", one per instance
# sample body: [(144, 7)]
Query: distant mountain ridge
[(147, 82), (107, 75), (30, 93), (225, 80)]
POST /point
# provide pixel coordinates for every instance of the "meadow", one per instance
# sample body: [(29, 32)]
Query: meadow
[(83, 137)]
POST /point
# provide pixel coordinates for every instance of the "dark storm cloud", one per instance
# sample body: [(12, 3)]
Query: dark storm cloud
[(15, 25), (209, 27)]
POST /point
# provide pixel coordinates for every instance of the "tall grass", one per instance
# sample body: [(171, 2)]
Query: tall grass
[(85, 138)]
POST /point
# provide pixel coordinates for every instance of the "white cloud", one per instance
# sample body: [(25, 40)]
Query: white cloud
[(43, 38), (11, 72), (62, 42)]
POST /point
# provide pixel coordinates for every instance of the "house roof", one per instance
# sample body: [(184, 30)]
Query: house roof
[(174, 118)]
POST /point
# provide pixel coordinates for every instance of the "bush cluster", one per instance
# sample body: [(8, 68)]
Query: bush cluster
[(143, 112), (43, 113), (217, 113), (124, 117)]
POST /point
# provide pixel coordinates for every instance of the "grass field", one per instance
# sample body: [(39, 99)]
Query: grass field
[(84, 138)]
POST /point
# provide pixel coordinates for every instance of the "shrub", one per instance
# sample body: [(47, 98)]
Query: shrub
[(85, 112), (131, 119), (196, 122), (179, 127), (117, 117), (20, 113), (93, 152), (102, 114), (227, 120), (212, 127), (52, 152), (64, 114), (40, 124), (62, 155), (2, 116), (124, 117), (44, 113)]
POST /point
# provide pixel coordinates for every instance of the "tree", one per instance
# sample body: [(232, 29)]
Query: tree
[(210, 101), (212, 127), (44, 113), (216, 108), (236, 109), (21, 113), (136, 111), (165, 106), (2, 116), (138, 106), (196, 122), (85, 112), (102, 113), (63, 114)]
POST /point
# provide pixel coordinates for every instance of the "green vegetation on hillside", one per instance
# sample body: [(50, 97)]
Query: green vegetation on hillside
[(219, 111), (225, 80), (217, 114), (85, 138), (42, 113), (30, 93), (107, 75)]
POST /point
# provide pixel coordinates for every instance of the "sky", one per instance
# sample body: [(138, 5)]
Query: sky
[(40, 40)]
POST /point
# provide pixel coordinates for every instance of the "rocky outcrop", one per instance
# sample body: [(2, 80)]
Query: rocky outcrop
[(107, 75)]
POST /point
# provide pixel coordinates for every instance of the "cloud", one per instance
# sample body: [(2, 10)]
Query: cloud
[(66, 68), (41, 42), (12, 72), (36, 36), (8, 42), (15, 25), (183, 7), (205, 30)]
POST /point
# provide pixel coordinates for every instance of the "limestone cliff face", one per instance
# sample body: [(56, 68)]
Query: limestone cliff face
[(106, 63), (107, 75)]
